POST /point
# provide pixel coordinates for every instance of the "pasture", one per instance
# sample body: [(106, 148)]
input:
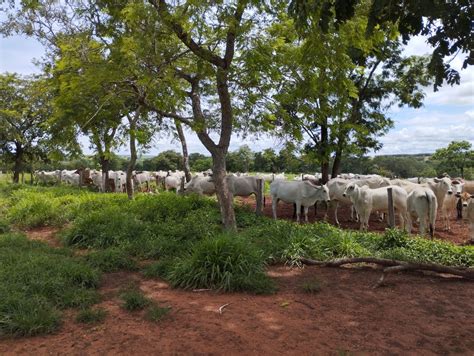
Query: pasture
[(104, 274)]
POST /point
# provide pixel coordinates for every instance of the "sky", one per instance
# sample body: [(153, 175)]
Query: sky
[(447, 114)]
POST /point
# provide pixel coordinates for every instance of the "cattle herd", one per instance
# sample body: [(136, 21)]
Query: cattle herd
[(414, 199)]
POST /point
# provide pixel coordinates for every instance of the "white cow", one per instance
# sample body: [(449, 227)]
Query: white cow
[(302, 193), (366, 199), (70, 177), (422, 204), (172, 182), (242, 186), (440, 187), (140, 178), (47, 177), (338, 185)]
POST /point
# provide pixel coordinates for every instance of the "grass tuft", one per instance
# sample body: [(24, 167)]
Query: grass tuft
[(91, 316), (155, 313), (133, 299)]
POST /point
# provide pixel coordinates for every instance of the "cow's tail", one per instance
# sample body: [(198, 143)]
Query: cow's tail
[(432, 208)]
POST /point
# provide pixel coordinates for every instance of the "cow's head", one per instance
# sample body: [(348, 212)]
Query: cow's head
[(445, 183), (465, 198), (350, 189)]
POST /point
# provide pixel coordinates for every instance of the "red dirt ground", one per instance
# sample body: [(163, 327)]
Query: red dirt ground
[(413, 314), (459, 233)]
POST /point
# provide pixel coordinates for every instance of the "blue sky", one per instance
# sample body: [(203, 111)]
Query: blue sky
[(447, 115)]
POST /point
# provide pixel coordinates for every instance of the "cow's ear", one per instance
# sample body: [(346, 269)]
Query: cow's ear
[(472, 196), (437, 180)]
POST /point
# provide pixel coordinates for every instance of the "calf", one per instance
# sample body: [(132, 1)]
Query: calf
[(467, 202), (422, 204), (366, 199)]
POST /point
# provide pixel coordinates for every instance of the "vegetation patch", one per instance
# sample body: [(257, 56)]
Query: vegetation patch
[(156, 313), (36, 282), (224, 262), (91, 316), (133, 299)]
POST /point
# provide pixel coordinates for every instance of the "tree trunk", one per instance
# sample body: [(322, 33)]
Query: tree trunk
[(104, 163), (184, 146), (324, 153), (18, 164), (224, 196), (133, 157), (336, 166)]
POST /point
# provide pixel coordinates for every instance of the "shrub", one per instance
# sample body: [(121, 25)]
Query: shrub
[(225, 263), (155, 313), (159, 269), (91, 316), (133, 299)]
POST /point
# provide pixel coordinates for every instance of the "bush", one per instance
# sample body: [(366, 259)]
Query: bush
[(91, 316), (36, 281), (225, 263), (159, 269)]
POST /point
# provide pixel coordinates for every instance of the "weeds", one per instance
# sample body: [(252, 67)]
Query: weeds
[(155, 313), (133, 299), (91, 316)]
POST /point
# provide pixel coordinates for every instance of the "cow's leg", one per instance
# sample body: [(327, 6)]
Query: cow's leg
[(422, 226), (274, 207), (298, 211), (335, 213), (409, 223), (294, 211), (306, 208), (459, 209)]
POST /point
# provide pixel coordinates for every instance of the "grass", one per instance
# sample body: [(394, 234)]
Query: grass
[(91, 316), (183, 238), (36, 282), (155, 313), (133, 299)]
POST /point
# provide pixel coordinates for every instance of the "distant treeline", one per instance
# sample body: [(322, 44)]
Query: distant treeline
[(245, 160)]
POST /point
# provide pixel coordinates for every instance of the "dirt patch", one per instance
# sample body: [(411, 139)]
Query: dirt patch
[(45, 234), (459, 233), (413, 314)]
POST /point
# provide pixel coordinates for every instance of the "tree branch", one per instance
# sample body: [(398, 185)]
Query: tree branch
[(162, 7)]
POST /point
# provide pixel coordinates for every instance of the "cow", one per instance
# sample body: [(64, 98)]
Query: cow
[(172, 182), (467, 202), (440, 187), (48, 177), (366, 199), (303, 193), (140, 178), (422, 204), (70, 177), (338, 185), (242, 186)]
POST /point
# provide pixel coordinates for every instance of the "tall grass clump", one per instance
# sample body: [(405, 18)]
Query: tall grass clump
[(224, 262), (111, 260), (36, 282)]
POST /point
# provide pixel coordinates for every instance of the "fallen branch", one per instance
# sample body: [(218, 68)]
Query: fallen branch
[(201, 290), (223, 306), (467, 273), (304, 303)]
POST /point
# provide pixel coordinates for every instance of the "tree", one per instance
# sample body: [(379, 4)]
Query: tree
[(455, 158), (447, 25), (24, 127)]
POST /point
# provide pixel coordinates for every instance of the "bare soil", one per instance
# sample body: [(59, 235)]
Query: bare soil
[(412, 314), (459, 233)]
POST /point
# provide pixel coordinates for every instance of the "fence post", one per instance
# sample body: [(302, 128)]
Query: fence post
[(259, 197), (391, 212)]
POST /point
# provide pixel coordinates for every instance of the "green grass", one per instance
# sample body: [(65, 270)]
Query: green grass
[(181, 235), (133, 299), (155, 313), (91, 316), (36, 282), (223, 262)]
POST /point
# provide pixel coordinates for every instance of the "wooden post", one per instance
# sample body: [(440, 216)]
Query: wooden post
[(391, 212), (181, 186), (259, 197)]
